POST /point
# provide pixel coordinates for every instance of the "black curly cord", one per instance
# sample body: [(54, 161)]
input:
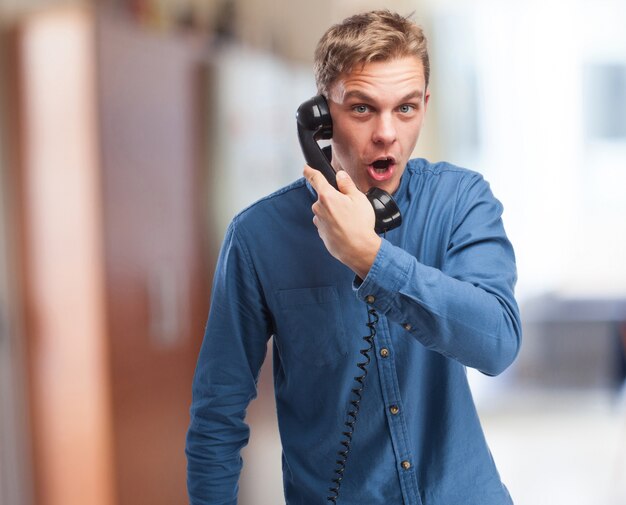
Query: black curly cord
[(372, 319)]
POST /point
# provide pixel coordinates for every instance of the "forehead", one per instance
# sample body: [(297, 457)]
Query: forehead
[(400, 76)]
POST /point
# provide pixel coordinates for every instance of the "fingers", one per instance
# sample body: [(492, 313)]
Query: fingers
[(316, 179), (320, 183), (319, 212), (328, 198), (345, 183)]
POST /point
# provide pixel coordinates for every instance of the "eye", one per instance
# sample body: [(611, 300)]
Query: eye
[(360, 109), (406, 108)]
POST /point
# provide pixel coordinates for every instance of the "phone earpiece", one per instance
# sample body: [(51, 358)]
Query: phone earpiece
[(315, 123), (314, 116)]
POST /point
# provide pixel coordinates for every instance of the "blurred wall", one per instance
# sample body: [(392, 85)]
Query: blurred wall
[(105, 244), (291, 29)]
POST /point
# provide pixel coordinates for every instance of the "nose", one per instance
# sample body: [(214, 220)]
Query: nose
[(384, 130)]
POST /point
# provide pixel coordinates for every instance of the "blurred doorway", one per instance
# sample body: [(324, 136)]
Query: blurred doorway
[(11, 408), (13, 447)]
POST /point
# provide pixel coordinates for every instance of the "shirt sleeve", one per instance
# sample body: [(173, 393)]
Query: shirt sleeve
[(225, 380), (466, 310)]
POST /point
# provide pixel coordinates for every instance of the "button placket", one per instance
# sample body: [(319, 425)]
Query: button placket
[(396, 422)]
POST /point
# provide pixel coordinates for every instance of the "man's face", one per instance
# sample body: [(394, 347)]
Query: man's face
[(377, 112)]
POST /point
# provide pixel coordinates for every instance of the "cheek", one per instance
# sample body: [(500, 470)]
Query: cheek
[(341, 130), (352, 140), (412, 132), (344, 141)]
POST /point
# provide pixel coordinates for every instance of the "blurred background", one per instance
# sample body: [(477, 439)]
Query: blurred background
[(131, 131)]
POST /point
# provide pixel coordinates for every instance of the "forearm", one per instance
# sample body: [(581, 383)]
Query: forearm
[(477, 325), (233, 350), (213, 467), (224, 385)]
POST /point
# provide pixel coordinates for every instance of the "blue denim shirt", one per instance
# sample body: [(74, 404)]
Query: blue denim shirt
[(442, 285)]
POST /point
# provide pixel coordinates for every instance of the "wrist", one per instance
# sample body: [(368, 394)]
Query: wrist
[(364, 257)]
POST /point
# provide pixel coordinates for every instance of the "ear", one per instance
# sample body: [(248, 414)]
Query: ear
[(426, 98)]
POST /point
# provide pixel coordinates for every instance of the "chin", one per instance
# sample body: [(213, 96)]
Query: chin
[(388, 186)]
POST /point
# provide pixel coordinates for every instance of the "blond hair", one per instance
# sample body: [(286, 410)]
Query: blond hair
[(363, 38)]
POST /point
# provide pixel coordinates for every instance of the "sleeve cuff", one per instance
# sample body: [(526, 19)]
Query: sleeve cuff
[(380, 286)]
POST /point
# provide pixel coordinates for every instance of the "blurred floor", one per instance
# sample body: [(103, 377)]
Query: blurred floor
[(560, 447)]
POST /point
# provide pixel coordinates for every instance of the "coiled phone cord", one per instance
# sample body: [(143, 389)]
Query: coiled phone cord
[(357, 392)]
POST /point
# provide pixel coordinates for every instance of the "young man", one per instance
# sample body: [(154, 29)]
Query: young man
[(306, 266)]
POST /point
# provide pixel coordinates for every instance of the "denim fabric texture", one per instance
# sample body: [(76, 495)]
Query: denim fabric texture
[(443, 287)]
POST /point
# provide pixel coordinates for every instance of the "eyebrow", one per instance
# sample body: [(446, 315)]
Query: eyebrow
[(366, 98)]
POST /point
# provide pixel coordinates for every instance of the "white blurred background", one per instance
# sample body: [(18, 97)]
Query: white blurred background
[(131, 131)]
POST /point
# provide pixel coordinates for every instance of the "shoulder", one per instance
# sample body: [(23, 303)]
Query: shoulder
[(288, 201), (447, 180), (449, 186), (441, 169)]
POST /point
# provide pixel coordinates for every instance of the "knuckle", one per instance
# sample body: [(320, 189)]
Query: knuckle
[(323, 197)]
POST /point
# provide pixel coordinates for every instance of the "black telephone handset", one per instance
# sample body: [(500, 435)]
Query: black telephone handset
[(315, 123)]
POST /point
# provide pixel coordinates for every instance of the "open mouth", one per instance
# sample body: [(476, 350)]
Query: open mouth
[(381, 165), (382, 168)]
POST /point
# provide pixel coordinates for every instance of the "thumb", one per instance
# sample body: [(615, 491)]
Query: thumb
[(345, 183)]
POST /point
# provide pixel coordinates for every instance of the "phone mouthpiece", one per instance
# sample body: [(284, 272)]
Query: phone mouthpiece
[(386, 210)]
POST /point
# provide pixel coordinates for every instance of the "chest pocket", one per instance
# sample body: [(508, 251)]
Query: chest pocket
[(310, 326)]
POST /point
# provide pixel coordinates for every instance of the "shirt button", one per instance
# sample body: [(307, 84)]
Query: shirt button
[(384, 352), (407, 326), (406, 465), (394, 409), (370, 299)]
